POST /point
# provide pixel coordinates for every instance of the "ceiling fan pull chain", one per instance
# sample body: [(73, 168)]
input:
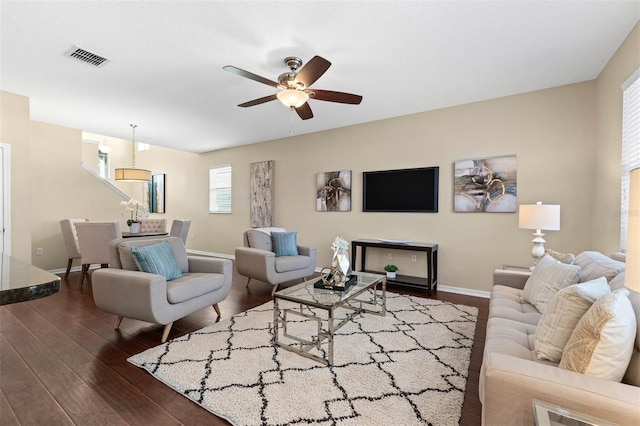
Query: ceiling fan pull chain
[(291, 121)]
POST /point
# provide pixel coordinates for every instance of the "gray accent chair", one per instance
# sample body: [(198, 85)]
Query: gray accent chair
[(70, 236), (257, 260), (180, 229), (125, 291), (94, 239)]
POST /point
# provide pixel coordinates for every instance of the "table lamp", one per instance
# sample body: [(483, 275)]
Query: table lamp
[(632, 268), (539, 217)]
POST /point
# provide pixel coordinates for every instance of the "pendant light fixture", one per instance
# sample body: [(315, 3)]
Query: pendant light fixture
[(131, 174)]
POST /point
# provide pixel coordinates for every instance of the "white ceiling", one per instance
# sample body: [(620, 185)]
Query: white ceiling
[(166, 57)]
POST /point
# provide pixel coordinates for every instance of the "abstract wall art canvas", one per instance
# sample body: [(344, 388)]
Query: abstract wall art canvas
[(486, 185), (333, 191), (261, 194)]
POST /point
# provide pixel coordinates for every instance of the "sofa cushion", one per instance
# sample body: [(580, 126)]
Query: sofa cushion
[(602, 343), (617, 282), (259, 240), (192, 285), (157, 259), (292, 263), (284, 243), (632, 376), (547, 278), (594, 264), (506, 302), (569, 258), (563, 313)]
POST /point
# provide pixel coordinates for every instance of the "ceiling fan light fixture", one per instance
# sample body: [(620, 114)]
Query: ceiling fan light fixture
[(292, 98)]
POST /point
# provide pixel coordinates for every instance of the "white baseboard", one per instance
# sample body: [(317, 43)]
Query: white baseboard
[(465, 291)]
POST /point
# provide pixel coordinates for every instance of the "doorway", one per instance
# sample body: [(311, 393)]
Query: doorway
[(5, 198)]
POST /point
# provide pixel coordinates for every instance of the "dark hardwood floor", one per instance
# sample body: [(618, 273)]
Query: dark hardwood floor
[(61, 361)]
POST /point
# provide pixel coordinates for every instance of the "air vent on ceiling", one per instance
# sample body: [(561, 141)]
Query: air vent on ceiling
[(87, 57)]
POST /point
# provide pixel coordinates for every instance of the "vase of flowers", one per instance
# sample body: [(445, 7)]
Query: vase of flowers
[(135, 210), (340, 262)]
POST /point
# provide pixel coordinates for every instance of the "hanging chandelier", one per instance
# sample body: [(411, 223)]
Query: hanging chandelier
[(131, 174)]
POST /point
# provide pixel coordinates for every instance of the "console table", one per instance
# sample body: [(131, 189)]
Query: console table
[(429, 282)]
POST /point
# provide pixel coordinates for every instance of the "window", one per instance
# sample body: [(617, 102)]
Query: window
[(103, 164), (220, 189), (143, 146), (630, 145)]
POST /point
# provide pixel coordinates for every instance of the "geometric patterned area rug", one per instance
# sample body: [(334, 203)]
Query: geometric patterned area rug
[(407, 368)]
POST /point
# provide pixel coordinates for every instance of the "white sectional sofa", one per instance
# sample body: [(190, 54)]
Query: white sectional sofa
[(512, 375)]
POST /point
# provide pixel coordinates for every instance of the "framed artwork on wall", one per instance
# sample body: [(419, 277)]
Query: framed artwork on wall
[(261, 183), (488, 185), (155, 194), (333, 191)]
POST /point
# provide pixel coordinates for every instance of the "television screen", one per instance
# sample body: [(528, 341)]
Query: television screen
[(406, 190)]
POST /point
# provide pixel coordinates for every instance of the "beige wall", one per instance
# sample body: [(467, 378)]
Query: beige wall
[(15, 130), (552, 132), (566, 140), (62, 188), (606, 200)]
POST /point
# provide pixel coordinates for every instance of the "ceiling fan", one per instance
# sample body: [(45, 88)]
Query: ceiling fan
[(294, 86)]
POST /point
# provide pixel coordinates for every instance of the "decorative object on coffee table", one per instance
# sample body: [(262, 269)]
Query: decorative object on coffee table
[(337, 275), (340, 259)]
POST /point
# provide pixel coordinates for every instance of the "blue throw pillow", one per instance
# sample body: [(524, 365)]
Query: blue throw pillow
[(157, 259), (284, 243)]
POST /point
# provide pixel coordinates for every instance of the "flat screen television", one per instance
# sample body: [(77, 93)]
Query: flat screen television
[(406, 190)]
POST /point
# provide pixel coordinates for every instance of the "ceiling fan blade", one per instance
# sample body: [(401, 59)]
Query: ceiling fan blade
[(331, 96), (250, 75), (258, 101), (313, 70), (304, 111)]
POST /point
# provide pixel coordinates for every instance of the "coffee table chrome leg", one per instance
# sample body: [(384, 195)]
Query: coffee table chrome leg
[(276, 314), (330, 337)]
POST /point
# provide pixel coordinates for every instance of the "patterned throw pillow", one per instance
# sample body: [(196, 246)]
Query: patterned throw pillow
[(284, 243), (602, 343), (547, 278), (562, 315), (157, 259)]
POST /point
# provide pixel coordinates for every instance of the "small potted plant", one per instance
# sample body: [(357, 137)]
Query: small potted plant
[(391, 270)]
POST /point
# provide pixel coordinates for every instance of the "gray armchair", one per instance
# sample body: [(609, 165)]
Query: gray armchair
[(258, 260), (125, 291)]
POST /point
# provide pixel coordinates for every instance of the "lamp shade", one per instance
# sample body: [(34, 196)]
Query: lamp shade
[(292, 97), (133, 174), (539, 216), (632, 268)]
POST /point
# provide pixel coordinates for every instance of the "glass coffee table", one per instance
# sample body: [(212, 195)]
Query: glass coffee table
[(367, 295)]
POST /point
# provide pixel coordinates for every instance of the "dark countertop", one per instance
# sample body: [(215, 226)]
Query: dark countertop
[(20, 281)]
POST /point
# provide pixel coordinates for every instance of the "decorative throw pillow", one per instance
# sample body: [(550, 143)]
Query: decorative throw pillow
[(157, 259), (284, 243), (563, 313), (569, 258), (546, 279), (602, 343)]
